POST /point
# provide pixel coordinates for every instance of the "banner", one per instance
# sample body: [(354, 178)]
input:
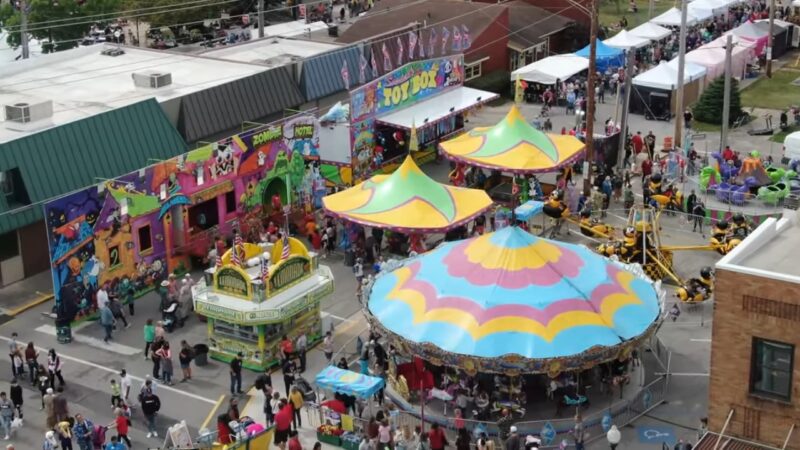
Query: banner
[(445, 37), (374, 62), (345, 74), (412, 43), (400, 50), (432, 43), (362, 69), (387, 60), (456, 39), (465, 39)]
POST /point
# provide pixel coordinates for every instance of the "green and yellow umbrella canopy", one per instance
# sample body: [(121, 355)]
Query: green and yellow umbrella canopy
[(407, 201), (513, 145)]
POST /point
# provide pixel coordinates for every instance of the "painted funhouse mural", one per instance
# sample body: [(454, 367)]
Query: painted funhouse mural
[(131, 232)]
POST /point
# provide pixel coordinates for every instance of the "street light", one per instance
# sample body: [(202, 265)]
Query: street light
[(613, 436)]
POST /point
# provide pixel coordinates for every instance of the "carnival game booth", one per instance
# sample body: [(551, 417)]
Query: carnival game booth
[(551, 69), (515, 147), (408, 202), (422, 98), (511, 316), (607, 57), (255, 294), (781, 36), (792, 31), (653, 91), (750, 32)]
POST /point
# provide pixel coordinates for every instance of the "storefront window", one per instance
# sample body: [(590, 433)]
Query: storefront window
[(230, 202), (145, 240), (472, 71), (242, 333), (204, 215), (771, 369)]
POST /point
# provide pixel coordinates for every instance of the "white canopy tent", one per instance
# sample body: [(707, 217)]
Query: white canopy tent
[(716, 6), (552, 68), (651, 31), (699, 11), (712, 57), (791, 144), (626, 41), (672, 18), (665, 75)]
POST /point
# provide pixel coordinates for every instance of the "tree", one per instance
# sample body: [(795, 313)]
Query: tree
[(164, 13), (709, 108)]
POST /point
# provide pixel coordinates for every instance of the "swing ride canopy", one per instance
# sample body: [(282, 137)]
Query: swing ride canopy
[(348, 382), (509, 302), (515, 146), (407, 201)]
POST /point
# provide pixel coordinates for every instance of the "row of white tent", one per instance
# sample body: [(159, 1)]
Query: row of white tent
[(696, 12)]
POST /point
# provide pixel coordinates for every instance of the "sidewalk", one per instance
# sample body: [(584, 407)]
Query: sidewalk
[(25, 294)]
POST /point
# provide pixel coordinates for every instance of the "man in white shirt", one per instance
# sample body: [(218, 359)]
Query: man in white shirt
[(327, 346), (102, 298), (125, 385), (300, 347)]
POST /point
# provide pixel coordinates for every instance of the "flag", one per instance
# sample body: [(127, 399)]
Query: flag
[(374, 62), (432, 43), (362, 69), (421, 46), (387, 60), (413, 142), (285, 250), (412, 44), (345, 75), (400, 51), (456, 39), (264, 269), (465, 39), (445, 37), (237, 245)]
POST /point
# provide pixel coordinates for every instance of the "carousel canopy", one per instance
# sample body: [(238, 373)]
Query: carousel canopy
[(348, 382), (513, 145), (511, 293), (407, 201)]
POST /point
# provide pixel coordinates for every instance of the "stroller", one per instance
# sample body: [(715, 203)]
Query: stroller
[(170, 317), (305, 387)]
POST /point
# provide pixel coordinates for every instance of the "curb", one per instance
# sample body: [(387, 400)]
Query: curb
[(31, 304)]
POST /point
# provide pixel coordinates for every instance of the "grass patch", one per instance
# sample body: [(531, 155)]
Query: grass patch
[(781, 135), (702, 127), (609, 14), (772, 93)]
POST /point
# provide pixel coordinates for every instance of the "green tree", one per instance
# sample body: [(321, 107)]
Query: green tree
[(162, 13), (708, 108)]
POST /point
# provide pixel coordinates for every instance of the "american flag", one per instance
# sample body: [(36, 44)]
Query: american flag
[(264, 269), (456, 39), (465, 39), (445, 37), (345, 75), (237, 244), (412, 44), (285, 251), (399, 51), (432, 43), (362, 70)]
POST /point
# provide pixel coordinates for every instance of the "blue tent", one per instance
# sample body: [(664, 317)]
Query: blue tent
[(348, 382), (606, 56), (528, 209)]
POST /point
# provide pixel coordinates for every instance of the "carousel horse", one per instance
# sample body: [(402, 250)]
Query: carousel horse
[(592, 227), (722, 239), (698, 289)]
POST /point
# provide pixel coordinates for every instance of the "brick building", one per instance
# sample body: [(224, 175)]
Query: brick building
[(754, 390)]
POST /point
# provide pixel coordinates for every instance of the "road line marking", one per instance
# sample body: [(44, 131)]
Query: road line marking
[(213, 411), (31, 304), (700, 340), (92, 341), (116, 372), (339, 318)]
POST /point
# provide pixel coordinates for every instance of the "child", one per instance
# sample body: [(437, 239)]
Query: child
[(116, 393), (15, 393), (675, 312)]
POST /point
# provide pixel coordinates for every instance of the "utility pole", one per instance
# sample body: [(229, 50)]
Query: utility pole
[(23, 28), (261, 18), (590, 100), (625, 104), (726, 96), (676, 142), (650, 7), (769, 38)]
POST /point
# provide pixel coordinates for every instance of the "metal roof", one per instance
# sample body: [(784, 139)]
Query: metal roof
[(321, 75), (225, 107), (62, 159), (709, 442)]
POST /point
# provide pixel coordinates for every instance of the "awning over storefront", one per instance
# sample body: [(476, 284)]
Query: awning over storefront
[(436, 108), (552, 68)]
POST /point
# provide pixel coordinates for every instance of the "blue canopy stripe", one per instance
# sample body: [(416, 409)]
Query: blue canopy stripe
[(348, 382), (606, 56)]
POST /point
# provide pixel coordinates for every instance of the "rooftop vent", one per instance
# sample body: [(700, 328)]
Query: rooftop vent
[(29, 112), (113, 51), (152, 80)]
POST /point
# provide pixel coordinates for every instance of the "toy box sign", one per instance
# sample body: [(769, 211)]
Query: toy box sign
[(405, 86)]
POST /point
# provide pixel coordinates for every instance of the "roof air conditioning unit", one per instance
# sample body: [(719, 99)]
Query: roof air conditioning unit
[(29, 112), (152, 80)]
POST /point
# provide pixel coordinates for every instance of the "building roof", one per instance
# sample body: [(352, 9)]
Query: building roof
[(709, 442), (529, 25), (62, 159), (321, 75), (224, 107), (270, 52), (83, 82), (769, 251)]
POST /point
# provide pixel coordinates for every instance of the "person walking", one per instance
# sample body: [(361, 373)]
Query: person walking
[(107, 321), (115, 444), (121, 423), (301, 348), (327, 346), (699, 215), (125, 385), (48, 404), (185, 357), (289, 370), (64, 432), (513, 442), (149, 336), (61, 407), (125, 292), (437, 438), (297, 401), (6, 415), (150, 406), (116, 309), (83, 431), (116, 393), (32, 360), (54, 367), (165, 363), (15, 393), (578, 433), (236, 374)]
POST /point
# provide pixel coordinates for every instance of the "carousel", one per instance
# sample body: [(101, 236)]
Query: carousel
[(497, 323)]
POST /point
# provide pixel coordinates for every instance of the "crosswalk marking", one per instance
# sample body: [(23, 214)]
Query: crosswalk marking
[(91, 341)]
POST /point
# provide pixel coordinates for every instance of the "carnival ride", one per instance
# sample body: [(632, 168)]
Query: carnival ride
[(735, 181), (509, 303)]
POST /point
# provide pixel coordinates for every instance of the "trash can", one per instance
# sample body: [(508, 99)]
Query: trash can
[(200, 354), (349, 257), (333, 30)]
